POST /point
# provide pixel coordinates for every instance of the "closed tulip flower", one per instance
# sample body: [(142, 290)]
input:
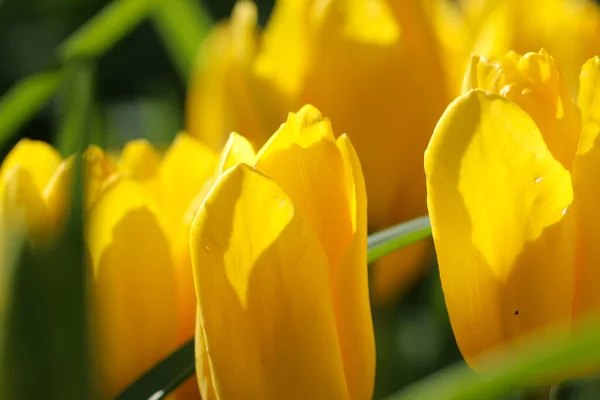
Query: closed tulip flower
[(137, 236), (142, 292), (510, 172), (279, 256), (568, 29), (26, 188), (30, 330), (374, 67)]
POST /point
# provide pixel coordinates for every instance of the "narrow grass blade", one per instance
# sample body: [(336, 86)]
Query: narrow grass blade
[(76, 106), (541, 361), (104, 30), (182, 24), (164, 377), (44, 349), (24, 100), (93, 39)]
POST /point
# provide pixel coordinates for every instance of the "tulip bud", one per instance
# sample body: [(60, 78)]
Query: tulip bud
[(514, 221), (279, 255)]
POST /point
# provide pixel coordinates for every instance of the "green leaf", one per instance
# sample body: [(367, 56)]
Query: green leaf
[(182, 24), (541, 361), (389, 240), (164, 377), (98, 35), (104, 30), (76, 107), (44, 349), (24, 100), (175, 369)]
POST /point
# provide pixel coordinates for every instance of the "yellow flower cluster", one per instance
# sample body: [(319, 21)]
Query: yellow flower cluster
[(137, 223), (383, 71), (278, 239), (262, 254), (374, 67)]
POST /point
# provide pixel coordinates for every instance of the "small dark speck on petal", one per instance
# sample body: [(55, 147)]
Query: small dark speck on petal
[(516, 312)]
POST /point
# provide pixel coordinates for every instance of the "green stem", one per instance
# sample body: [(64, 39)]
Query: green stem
[(389, 240)]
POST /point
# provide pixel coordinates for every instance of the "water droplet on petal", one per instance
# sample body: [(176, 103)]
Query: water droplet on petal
[(538, 179), (526, 91), (564, 211), (207, 248)]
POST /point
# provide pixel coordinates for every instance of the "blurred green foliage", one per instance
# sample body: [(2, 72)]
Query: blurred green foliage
[(44, 350), (139, 90)]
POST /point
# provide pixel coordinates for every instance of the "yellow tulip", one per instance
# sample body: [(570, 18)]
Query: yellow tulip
[(26, 177), (374, 67), (568, 29), (510, 172), (279, 256), (138, 223), (27, 237), (141, 285)]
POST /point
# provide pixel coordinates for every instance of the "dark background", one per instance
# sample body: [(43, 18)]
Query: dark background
[(138, 90)]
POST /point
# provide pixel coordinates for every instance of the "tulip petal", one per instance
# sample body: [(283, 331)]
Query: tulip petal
[(350, 287), (371, 22), (139, 161), (225, 95), (133, 289), (98, 168), (303, 159), (206, 114), (454, 35), (284, 55), (57, 193), (533, 81), (39, 159), (204, 373), (184, 169), (302, 128), (498, 207), (589, 103), (22, 205), (272, 332), (356, 84), (586, 172), (237, 150)]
